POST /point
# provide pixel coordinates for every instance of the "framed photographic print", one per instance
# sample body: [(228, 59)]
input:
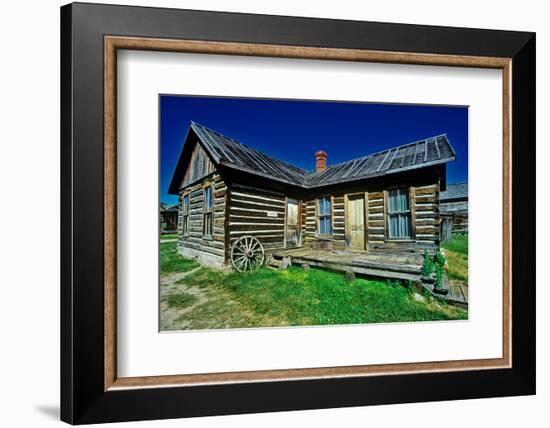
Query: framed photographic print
[(265, 213)]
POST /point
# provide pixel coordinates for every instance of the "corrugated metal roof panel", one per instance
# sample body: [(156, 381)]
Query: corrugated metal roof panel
[(233, 154), (236, 154), (397, 159)]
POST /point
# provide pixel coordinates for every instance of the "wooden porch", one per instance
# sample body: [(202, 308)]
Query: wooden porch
[(405, 266), (401, 266)]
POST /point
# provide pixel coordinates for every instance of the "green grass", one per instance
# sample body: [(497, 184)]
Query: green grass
[(219, 311), (203, 278), (316, 297), (456, 253), (210, 299), (171, 261), (168, 236), (297, 297), (458, 244), (180, 300)]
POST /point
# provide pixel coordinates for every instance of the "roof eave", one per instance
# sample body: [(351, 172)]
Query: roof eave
[(175, 187), (455, 199), (260, 174), (384, 173), (354, 179), (195, 182), (205, 144)]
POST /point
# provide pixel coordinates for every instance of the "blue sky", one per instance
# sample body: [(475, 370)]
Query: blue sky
[(293, 130)]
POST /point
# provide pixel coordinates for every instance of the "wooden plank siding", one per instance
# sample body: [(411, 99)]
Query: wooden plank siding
[(460, 222), (457, 212), (426, 208), (257, 212), (376, 220), (200, 166), (338, 222), (309, 225)]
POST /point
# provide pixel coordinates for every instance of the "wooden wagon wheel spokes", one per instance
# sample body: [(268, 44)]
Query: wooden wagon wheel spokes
[(247, 254)]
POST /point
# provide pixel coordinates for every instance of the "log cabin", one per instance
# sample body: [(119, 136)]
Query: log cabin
[(454, 210), (168, 218), (381, 209)]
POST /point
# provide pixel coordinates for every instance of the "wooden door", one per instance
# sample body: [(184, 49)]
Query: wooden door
[(356, 222), (293, 223)]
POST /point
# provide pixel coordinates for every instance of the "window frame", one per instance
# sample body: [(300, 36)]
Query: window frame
[(318, 217), (185, 213), (387, 214), (207, 211)]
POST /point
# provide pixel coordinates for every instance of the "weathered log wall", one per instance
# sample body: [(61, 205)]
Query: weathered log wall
[(458, 212), (243, 208), (376, 221), (424, 204), (257, 212), (209, 250), (426, 216), (460, 222), (309, 223)]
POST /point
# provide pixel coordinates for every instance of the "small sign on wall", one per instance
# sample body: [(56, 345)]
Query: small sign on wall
[(272, 213)]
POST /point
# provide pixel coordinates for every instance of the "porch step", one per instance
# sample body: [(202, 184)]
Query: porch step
[(452, 296), (279, 263), (274, 263)]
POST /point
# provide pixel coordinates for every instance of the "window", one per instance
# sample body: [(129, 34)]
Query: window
[(399, 214), (323, 215), (207, 224), (185, 215)]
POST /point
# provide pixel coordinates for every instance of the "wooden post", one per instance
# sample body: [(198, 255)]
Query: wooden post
[(350, 276), (366, 214), (385, 216), (412, 207)]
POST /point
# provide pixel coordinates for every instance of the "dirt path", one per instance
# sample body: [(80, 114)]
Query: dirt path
[(170, 285), (196, 302), (172, 278), (194, 305)]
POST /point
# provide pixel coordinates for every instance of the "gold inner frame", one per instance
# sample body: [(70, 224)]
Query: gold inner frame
[(113, 43)]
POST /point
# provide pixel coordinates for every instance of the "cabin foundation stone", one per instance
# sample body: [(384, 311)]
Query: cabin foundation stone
[(205, 259)]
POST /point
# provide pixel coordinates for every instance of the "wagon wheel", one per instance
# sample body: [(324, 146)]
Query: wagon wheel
[(247, 254)]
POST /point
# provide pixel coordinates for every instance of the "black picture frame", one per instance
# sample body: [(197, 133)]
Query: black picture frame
[(83, 399)]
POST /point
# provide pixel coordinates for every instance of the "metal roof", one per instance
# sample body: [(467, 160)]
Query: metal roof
[(230, 153), (455, 191), (431, 151)]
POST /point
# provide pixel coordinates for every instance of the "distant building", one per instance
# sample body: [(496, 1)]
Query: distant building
[(168, 218), (453, 210)]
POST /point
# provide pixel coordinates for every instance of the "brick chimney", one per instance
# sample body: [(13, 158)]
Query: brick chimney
[(320, 160)]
